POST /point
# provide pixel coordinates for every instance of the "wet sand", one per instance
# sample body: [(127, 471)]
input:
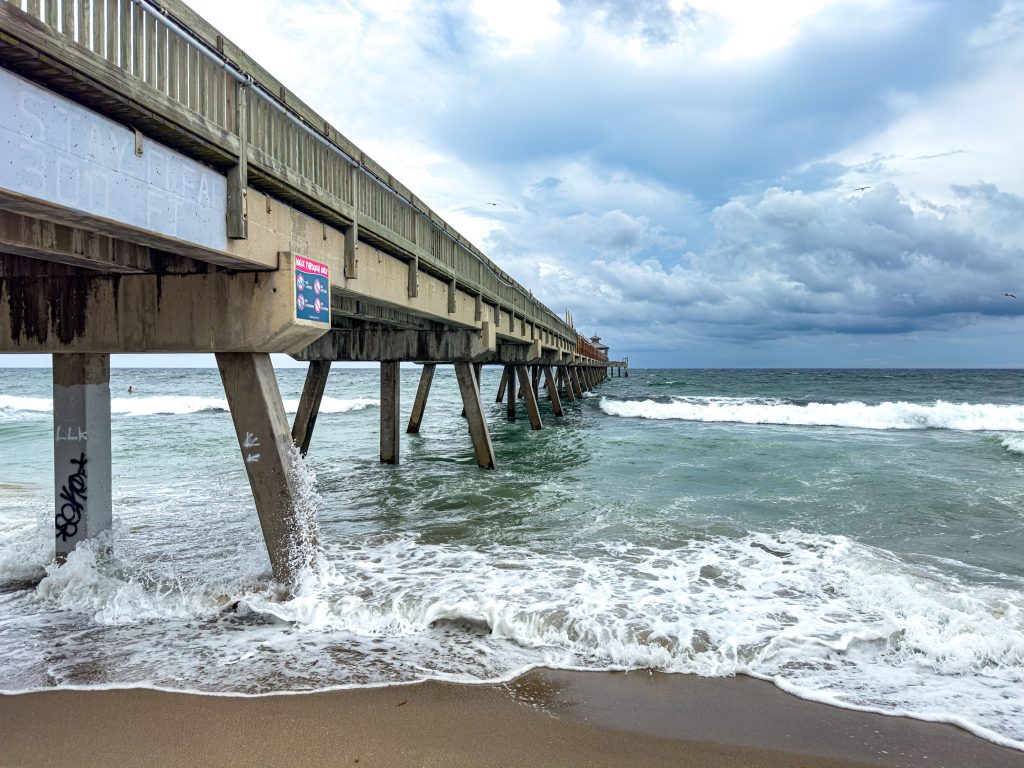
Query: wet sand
[(545, 718)]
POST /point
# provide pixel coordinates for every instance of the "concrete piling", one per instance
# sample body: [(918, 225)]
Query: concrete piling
[(469, 387), (422, 392), (266, 443), (552, 387), (502, 384), (81, 449), (309, 404), (511, 392), (566, 381), (390, 415), (532, 410)]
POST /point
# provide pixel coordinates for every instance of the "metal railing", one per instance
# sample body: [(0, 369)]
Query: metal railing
[(169, 62)]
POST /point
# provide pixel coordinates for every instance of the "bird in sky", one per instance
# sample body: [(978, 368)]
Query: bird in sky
[(861, 189), (1010, 295)]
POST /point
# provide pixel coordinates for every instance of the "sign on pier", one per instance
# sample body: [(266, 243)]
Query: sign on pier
[(312, 290)]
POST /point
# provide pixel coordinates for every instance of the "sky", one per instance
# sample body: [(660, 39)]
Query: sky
[(704, 183)]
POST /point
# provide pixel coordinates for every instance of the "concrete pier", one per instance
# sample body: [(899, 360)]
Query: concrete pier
[(81, 448), (164, 247)]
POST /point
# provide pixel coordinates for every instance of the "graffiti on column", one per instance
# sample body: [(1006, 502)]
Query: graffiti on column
[(73, 495), (251, 441)]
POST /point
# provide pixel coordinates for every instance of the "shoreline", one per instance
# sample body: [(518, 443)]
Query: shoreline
[(543, 718)]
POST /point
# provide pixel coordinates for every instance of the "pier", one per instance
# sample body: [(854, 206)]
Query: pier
[(161, 192)]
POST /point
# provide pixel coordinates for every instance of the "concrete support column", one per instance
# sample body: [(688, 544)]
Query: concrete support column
[(566, 379), (266, 442), (574, 381), (390, 411), (309, 404), (502, 385), (510, 394), (469, 387), (549, 381), (81, 449), (531, 400), (422, 392)]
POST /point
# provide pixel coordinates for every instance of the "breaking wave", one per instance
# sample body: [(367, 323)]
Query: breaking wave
[(886, 415), (175, 405)]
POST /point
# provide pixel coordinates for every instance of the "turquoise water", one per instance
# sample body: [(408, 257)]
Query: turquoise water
[(854, 536)]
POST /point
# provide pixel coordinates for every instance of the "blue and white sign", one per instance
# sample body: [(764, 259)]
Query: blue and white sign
[(312, 290)]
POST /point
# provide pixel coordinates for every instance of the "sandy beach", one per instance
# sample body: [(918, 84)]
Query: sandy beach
[(545, 718)]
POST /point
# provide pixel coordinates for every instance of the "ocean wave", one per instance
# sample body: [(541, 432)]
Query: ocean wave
[(886, 415), (822, 616), (1013, 443), (171, 405)]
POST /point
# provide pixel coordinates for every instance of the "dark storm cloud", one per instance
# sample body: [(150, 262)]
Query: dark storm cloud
[(790, 263)]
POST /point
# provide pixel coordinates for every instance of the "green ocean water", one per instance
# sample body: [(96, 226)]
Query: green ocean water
[(853, 535)]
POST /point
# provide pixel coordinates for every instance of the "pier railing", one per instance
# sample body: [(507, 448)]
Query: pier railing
[(160, 67), (588, 350)]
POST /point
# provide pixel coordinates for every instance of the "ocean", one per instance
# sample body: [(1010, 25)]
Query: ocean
[(854, 536)]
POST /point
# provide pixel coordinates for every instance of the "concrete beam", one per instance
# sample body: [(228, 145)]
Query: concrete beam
[(85, 312), (81, 449), (266, 444), (372, 342), (309, 404)]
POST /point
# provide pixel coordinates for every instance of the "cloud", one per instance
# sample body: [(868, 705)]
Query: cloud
[(794, 263), (682, 174)]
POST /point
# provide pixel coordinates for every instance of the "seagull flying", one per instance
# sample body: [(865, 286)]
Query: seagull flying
[(861, 189), (1010, 295)]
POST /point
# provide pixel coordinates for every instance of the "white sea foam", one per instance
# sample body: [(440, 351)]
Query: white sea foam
[(823, 617), (177, 405), (886, 415), (1013, 443)]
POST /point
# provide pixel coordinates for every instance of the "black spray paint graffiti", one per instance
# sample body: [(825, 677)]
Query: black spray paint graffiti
[(72, 494)]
